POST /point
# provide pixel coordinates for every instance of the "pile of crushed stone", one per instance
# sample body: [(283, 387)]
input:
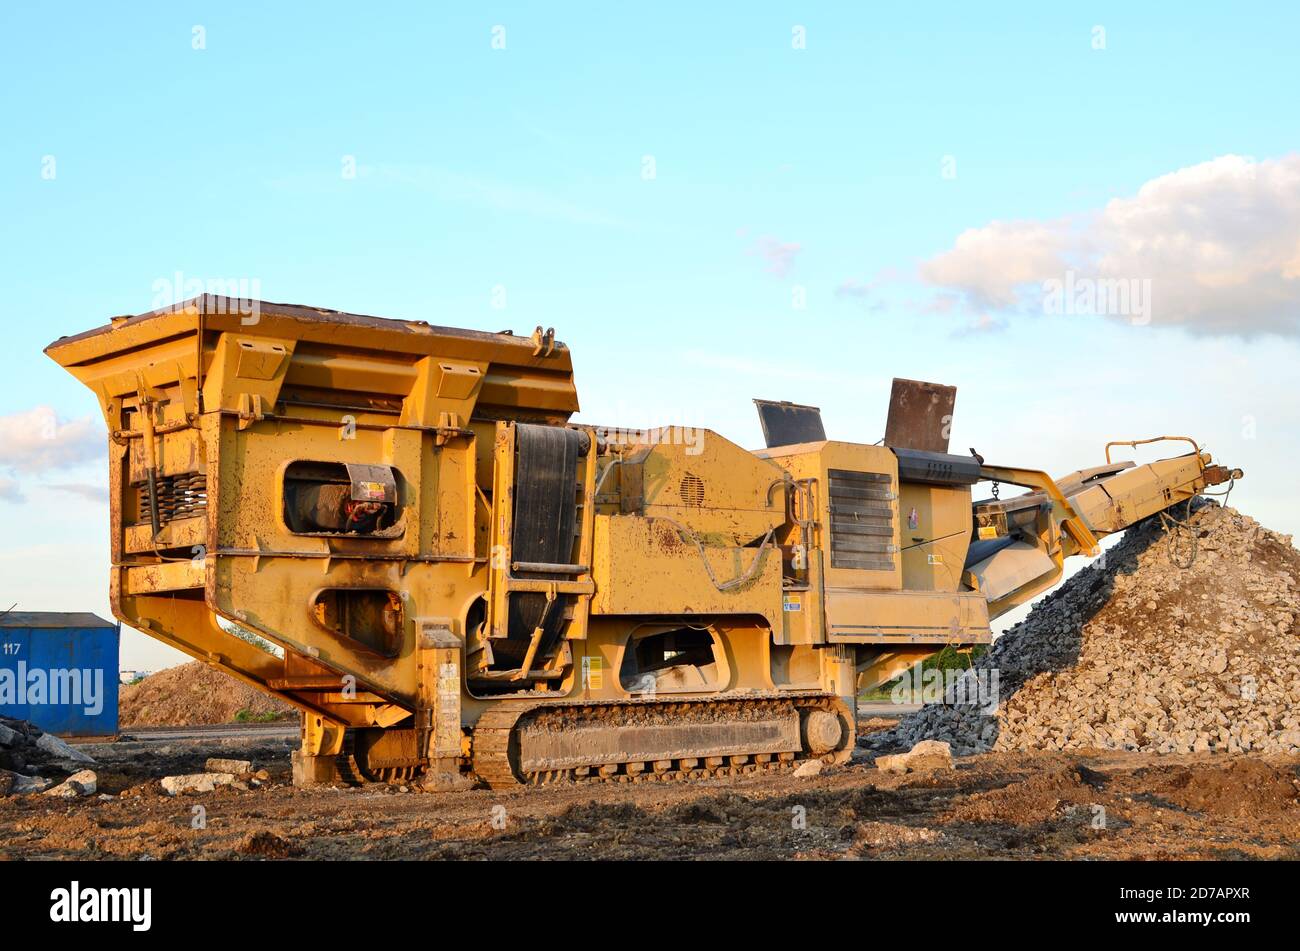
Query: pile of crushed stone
[(195, 694), (1138, 653)]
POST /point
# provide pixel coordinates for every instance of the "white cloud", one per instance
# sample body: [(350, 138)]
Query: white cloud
[(1216, 244), (10, 492), (990, 265), (983, 324), (92, 493), (37, 440), (854, 288), (777, 256)]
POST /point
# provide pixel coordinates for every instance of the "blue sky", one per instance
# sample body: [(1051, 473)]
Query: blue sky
[(843, 174)]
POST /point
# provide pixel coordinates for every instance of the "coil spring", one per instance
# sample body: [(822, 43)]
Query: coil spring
[(179, 496)]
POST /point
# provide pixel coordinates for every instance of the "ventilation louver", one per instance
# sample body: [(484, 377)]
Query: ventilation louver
[(862, 520)]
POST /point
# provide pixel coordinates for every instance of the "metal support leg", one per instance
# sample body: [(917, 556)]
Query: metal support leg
[(315, 762), (438, 715)]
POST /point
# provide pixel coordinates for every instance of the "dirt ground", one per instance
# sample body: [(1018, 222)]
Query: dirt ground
[(1077, 805)]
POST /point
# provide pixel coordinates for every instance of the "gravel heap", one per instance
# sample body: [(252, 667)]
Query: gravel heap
[(1137, 653)]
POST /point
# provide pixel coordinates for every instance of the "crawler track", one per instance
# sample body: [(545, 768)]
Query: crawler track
[(659, 740)]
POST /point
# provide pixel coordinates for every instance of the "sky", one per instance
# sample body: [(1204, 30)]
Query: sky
[(1086, 216)]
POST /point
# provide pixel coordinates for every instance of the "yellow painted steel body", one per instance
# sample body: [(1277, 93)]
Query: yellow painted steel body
[(332, 508)]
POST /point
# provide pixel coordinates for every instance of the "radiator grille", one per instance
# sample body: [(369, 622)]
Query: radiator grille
[(862, 520)]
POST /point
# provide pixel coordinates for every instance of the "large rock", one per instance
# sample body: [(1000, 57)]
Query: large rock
[(196, 783), (240, 767), (809, 769), (928, 756), (82, 783), (55, 748), (18, 784)]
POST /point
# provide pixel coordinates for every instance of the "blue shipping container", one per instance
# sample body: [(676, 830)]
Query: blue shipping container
[(60, 672)]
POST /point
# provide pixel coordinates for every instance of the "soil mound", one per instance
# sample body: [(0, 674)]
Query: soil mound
[(195, 694)]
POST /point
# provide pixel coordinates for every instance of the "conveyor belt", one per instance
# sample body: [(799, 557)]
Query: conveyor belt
[(545, 520)]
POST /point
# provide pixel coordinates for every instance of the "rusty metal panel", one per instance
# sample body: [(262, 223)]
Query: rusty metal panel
[(920, 415)]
